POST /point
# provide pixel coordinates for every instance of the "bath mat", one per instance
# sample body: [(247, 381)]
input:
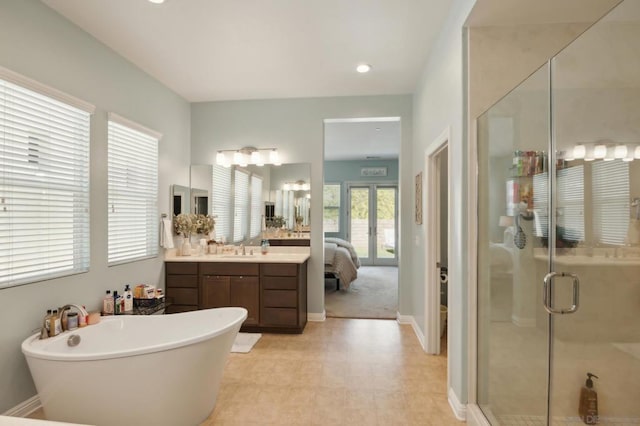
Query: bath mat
[(244, 342)]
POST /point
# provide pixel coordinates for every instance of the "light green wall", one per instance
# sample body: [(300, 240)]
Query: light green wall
[(38, 43), (439, 104), (296, 128)]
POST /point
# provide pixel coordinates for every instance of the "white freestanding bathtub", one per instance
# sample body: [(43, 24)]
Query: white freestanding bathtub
[(135, 370)]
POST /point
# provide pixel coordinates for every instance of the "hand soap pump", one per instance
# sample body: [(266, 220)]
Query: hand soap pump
[(588, 408)]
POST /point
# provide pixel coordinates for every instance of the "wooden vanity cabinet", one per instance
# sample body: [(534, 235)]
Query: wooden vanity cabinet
[(181, 286), (274, 294), (284, 296), (231, 284)]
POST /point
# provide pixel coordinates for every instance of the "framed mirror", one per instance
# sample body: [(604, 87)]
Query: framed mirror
[(180, 199)]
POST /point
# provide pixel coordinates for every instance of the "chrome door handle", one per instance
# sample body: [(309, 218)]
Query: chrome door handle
[(548, 288)]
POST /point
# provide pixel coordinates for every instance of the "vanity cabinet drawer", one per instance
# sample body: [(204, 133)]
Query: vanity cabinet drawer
[(279, 283), (182, 268), (279, 316), (214, 268), (280, 299), (279, 269), (183, 296), (182, 281)]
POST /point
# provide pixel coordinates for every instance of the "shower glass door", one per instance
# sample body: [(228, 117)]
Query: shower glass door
[(513, 146), (559, 236), (596, 111)]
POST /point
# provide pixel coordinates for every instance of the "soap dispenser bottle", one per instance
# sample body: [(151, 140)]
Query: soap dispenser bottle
[(588, 408), (128, 299)]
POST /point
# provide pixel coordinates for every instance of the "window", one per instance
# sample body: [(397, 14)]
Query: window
[(132, 162), (44, 182), (238, 214), (240, 205), (331, 213), (256, 206), (221, 201), (610, 186)]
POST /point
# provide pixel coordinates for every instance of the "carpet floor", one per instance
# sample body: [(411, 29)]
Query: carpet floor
[(373, 295)]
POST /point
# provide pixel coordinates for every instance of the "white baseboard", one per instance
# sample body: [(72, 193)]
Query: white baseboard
[(409, 319), (312, 316), (523, 321), (459, 409), (24, 408), (475, 417)]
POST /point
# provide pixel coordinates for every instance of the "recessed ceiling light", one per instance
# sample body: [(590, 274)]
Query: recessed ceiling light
[(362, 68), (157, 1)]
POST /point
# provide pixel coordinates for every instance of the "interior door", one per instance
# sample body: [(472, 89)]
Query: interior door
[(373, 212)]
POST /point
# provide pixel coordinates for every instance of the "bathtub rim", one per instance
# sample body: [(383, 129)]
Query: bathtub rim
[(31, 348)]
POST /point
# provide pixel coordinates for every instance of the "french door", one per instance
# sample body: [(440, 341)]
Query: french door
[(373, 224)]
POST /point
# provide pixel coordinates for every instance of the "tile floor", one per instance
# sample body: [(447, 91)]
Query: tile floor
[(338, 372)]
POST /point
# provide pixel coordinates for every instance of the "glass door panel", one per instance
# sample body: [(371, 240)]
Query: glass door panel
[(385, 225), (513, 145), (359, 226), (596, 104)]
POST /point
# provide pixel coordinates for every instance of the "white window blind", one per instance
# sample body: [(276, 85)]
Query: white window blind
[(570, 200), (256, 206), (132, 162), (241, 205), (44, 185), (221, 202), (611, 201), (541, 205), (331, 207)]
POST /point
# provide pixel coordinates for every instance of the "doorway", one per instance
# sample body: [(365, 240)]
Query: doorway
[(372, 223)]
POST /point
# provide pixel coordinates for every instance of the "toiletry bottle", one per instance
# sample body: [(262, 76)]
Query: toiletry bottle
[(47, 322), (82, 319), (128, 299), (55, 327), (264, 247), (588, 408), (72, 320), (117, 303), (107, 304)]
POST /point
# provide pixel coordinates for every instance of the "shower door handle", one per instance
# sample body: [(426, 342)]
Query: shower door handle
[(548, 289)]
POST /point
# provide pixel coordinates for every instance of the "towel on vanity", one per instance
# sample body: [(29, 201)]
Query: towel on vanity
[(166, 234)]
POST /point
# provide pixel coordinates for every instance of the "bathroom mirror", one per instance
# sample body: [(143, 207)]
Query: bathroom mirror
[(180, 199), (285, 191)]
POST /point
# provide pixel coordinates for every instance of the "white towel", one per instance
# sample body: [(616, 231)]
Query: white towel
[(166, 235)]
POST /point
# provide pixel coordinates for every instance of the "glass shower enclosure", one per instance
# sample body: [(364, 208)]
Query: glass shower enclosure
[(559, 236)]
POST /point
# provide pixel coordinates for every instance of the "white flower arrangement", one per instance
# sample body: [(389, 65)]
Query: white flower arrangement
[(190, 223)]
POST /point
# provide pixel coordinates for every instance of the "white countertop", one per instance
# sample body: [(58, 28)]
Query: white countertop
[(275, 255)]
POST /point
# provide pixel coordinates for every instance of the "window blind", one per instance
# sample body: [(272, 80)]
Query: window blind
[(221, 201), (132, 162), (611, 201), (256, 206), (241, 205), (541, 205), (331, 208), (44, 186), (570, 200)]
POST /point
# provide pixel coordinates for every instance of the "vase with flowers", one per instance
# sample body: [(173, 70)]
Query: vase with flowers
[(185, 224)]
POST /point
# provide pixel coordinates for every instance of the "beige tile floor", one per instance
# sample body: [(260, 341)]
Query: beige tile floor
[(338, 372)]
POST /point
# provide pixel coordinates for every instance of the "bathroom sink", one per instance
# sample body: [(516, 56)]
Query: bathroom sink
[(238, 256)]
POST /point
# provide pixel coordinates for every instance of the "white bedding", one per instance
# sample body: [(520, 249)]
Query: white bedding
[(340, 259)]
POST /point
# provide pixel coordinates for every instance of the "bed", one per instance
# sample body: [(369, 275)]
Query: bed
[(340, 261)]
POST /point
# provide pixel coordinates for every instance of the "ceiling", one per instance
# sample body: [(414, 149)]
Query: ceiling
[(208, 50), (359, 139)]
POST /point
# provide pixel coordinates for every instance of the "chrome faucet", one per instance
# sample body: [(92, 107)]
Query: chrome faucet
[(243, 249)]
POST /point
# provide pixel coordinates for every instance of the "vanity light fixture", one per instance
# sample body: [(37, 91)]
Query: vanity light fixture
[(599, 151), (620, 151), (637, 152), (298, 185), (363, 68), (247, 155), (579, 152), (157, 1)]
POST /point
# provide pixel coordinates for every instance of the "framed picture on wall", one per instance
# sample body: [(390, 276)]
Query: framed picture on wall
[(419, 198)]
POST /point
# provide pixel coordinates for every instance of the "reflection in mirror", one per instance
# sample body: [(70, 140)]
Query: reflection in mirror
[(180, 197), (244, 201)]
